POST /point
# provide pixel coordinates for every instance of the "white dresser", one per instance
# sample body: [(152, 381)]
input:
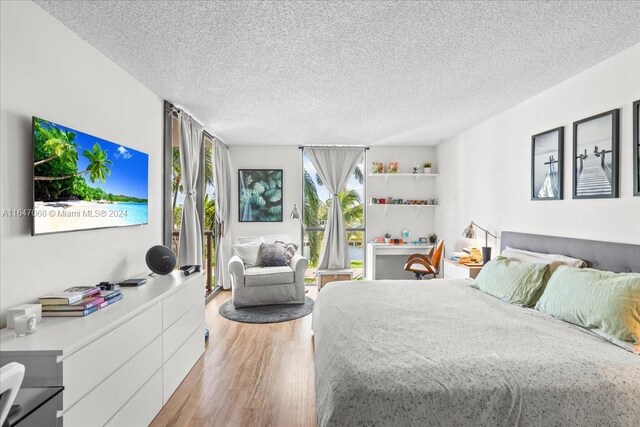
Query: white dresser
[(121, 364)]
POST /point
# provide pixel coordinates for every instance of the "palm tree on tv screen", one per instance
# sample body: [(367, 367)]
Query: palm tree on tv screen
[(56, 164)]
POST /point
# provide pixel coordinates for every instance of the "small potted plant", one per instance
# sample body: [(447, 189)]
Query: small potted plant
[(427, 167), (387, 238), (377, 167), (433, 238)]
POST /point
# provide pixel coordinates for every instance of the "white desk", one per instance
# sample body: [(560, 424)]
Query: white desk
[(375, 250)]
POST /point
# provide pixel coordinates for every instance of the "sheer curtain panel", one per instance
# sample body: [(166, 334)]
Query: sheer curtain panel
[(334, 165), (191, 134), (222, 181)]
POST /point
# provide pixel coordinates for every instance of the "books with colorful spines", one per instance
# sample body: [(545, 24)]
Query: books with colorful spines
[(83, 304), (87, 291), (81, 313), (107, 295), (70, 295)]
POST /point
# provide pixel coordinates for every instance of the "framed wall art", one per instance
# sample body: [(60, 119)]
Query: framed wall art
[(595, 156), (546, 164), (260, 195)]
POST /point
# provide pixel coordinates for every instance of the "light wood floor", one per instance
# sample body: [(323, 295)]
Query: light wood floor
[(249, 375)]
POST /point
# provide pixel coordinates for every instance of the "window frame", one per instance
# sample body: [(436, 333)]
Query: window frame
[(304, 229)]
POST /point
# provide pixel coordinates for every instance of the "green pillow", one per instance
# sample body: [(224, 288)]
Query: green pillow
[(514, 281), (595, 299)]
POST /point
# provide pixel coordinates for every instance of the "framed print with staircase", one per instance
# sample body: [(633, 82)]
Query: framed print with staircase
[(595, 156), (547, 149)]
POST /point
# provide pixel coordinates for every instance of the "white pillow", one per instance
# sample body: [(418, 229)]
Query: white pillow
[(515, 254), (574, 262), (249, 253)]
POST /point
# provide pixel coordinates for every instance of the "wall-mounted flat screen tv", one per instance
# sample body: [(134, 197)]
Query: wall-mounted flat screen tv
[(82, 182)]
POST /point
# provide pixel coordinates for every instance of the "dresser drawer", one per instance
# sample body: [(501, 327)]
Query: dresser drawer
[(181, 330), (101, 403), (176, 305), (452, 271), (86, 368), (142, 408), (179, 365)]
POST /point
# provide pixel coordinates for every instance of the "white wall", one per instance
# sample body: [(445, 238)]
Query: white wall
[(49, 72), (418, 220), (485, 171), (288, 158)]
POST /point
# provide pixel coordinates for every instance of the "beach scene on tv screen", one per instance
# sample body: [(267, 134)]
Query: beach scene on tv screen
[(84, 182)]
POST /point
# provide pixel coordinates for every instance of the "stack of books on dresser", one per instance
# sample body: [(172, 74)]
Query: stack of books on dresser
[(78, 301)]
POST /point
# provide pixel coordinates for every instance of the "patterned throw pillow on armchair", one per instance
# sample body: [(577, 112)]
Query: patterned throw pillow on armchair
[(273, 255)]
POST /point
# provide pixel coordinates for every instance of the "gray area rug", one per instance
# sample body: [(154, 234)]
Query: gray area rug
[(266, 313)]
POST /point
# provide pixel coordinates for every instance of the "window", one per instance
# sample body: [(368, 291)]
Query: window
[(206, 203), (315, 211)]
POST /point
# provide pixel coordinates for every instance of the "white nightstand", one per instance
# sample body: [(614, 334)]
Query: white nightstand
[(455, 270)]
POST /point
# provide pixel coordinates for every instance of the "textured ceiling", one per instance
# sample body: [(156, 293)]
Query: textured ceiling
[(376, 73)]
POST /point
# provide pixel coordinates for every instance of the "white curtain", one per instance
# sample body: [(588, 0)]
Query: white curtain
[(190, 248), (335, 165), (222, 182)]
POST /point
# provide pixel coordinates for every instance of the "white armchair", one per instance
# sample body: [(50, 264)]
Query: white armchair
[(253, 286)]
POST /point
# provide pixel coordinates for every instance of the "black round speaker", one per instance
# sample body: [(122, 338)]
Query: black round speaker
[(161, 259)]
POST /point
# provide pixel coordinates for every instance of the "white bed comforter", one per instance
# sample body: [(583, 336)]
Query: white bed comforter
[(438, 352)]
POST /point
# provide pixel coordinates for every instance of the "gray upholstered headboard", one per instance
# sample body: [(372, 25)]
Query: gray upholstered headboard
[(618, 257)]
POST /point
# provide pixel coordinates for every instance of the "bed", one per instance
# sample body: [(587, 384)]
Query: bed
[(398, 353)]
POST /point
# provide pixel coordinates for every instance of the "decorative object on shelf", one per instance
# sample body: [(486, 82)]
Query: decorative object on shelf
[(160, 259), (427, 167), (387, 237), (416, 169), (433, 202), (547, 150), (24, 309), (470, 233), (260, 195), (636, 148), (423, 240), (595, 156), (393, 167), (24, 324), (405, 235), (377, 167), (433, 238)]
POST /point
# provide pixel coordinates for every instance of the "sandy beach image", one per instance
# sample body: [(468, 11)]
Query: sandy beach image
[(84, 182), (63, 216)]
